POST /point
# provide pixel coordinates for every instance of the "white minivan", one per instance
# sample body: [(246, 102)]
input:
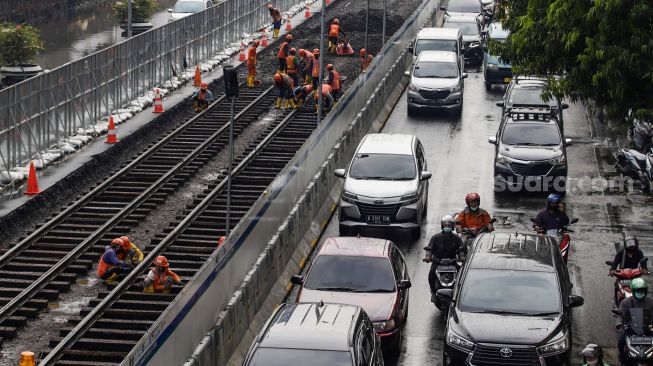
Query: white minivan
[(184, 8), (439, 39)]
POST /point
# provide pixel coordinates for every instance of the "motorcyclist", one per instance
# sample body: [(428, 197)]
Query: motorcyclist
[(473, 218), (593, 355), (640, 299), (630, 257), (442, 245), (553, 217)]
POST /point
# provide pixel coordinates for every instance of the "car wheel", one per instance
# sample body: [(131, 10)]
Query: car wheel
[(343, 231), (415, 234), (395, 347), (411, 111), (488, 86)]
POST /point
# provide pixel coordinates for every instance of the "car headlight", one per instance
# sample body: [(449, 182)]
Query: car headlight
[(456, 341), (384, 326), (410, 198), (558, 161), (492, 67), (413, 88), (559, 345), (503, 159), (349, 197)]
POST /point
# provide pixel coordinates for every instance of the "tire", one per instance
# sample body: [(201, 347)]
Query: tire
[(343, 231), (395, 347), (488, 86), (416, 234), (411, 111)]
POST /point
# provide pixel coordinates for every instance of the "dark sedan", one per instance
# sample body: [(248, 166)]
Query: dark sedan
[(470, 27)]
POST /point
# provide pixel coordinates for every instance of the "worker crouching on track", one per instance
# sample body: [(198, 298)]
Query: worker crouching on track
[(327, 98), (333, 79), (132, 253), (111, 266), (284, 86), (366, 59), (292, 63), (160, 278), (301, 94), (202, 98), (283, 53), (276, 20), (334, 31), (251, 65)]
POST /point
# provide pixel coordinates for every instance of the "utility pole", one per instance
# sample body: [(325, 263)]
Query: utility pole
[(385, 3), (320, 77), (367, 22), (129, 18), (231, 90)]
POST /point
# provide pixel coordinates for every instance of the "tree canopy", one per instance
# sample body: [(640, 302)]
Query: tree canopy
[(599, 50), (19, 44)]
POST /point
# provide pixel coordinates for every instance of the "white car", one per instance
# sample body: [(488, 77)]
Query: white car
[(184, 8)]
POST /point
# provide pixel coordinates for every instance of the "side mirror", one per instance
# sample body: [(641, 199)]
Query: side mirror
[(425, 175), (444, 294), (404, 284), (500, 104), (297, 280), (170, 10), (564, 105), (576, 301), (407, 73), (483, 33), (443, 8), (492, 140), (411, 49), (465, 75), (569, 142), (340, 173), (574, 220)]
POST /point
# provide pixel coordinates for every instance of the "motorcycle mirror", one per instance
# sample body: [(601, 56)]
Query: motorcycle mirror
[(609, 263), (576, 301), (407, 73), (444, 294), (340, 173), (574, 220)]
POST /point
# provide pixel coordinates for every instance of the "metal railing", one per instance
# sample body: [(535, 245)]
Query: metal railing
[(40, 112)]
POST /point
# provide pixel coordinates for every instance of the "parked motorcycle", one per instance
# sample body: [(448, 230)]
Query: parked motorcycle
[(641, 136), (445, 273), (622, 281), (561, 235), (639, 339), (632, 163)]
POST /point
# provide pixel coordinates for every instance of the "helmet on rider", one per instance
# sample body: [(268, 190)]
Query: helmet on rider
[(117, 242), (203, 86), (631, 244), (473, 201), (592, 354), (553, 201), (447, 223), (639, 287)]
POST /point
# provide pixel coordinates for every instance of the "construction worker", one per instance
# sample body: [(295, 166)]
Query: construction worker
[(284, 86), (333, 79), (315, 71), (327, 98), (334, 31), (160, 278), (110, 266), (292, 63), (202, 98), (276, 20), (301, 94), (251, 65), (132, 253), (284, 51), (308, 58), (366, 59)]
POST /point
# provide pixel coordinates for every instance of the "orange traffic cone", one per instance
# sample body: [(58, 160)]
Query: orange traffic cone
[(27, 358), (221, 240), (111, 133), (241, 57), (198, 76), (288, 23), (32, 184), (264, 39), (307, 14), (158, 103), (328, 2)]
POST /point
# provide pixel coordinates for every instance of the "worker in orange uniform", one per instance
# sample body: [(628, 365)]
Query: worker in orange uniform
[(251, 65), (276, 20), (132, 253), (327, 98), (284, 86), (111, 266), (307, 58), (315, 70), (301, 94), (292, 63), (366, 59), (334, 31), (333, 79), (202, 98), (473, 219), (284, 51), (160, 278)]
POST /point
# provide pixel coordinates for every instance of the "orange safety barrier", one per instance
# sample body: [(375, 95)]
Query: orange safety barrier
[(242, 52), (288, 23), (111, 133), (307, 13)]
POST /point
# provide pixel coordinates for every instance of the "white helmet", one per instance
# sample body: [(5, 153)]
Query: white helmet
[(447, 221)]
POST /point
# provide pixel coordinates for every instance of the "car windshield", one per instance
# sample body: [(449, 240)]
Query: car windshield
[(289, 356), (432, 69), (535, 133), (510, 292), (383, 167), (188, 7), (465, 28), (466, 6), (531, 95), (435, 45), (344, 273)]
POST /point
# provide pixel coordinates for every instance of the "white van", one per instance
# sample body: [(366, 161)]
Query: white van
[(439, 39)]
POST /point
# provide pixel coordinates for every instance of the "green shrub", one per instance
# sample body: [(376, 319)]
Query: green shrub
[(142, 10), (19, 44)]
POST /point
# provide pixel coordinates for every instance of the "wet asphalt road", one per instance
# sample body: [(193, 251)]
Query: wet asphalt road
[(461, 161)]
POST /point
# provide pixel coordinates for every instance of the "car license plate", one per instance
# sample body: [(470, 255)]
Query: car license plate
[(625, 283), (531, 179), (507, 80), (641, 340), (378, 219)]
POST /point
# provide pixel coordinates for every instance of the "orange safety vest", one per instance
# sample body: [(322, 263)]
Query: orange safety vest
[(283, 51), (291, 64), (308, 59), (326, 89), (202, 95), (473, 220), (334, 29), (251, 56), (366, 61), (335, 81), (316, 68), (160, 278)]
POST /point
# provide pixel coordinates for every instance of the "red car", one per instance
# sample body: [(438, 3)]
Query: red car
[(367, 272)]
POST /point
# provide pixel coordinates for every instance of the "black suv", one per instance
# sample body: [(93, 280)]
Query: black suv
[(512, 304), (318, 335), (530, 152), (526, 91)]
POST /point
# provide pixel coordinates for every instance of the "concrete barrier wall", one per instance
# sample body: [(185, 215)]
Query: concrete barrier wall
[(261, 246)]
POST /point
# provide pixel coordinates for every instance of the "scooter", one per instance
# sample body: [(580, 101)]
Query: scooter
[(468, 235), (561, 235), (639, 338), (622, 282), (445, 273)]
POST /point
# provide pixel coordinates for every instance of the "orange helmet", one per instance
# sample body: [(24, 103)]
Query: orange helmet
[(277, 77), (293, 51), (161, 261), (302, 52), (316, 51), (204, 86), (117, 241), (124, 238), (257, 43), (330, 67), (363, 52), (336, 21), (288, 37)]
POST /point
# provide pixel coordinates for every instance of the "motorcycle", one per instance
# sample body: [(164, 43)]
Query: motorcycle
[(561, 235), (622, 281), (469, 235), (632, 163), (641, 135), (445, 274), (639, 338)]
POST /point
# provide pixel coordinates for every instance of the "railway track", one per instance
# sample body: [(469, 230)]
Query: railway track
[(112, 324), (47, 262)]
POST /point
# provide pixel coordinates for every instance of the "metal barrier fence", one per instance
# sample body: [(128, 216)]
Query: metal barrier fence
[(39, 112)]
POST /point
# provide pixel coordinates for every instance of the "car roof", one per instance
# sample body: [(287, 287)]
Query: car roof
[(496, 31), (514, 251), (461, 18), (439, 33), (441, 56), (464, 5), (356, 246), (387, 143), (311, 326)]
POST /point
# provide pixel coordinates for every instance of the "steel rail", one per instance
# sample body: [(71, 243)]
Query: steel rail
[(87, 322), (10, 307)]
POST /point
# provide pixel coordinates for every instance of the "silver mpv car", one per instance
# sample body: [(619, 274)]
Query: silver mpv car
[(386, 186)]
